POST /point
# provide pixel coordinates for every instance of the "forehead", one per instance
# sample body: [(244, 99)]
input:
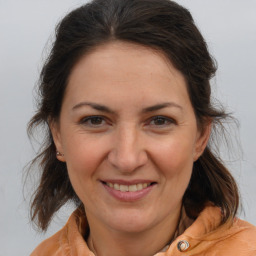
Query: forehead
[(127, 58), (118, 67)]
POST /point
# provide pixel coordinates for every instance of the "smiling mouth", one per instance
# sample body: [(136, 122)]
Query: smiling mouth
[(128, 188)]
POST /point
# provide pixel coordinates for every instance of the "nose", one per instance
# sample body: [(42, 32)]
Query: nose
[(127, 153)]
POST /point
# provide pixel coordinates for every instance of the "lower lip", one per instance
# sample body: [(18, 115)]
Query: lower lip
[(128, 196)]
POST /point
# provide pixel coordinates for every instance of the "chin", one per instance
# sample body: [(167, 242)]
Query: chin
[(131, 222)]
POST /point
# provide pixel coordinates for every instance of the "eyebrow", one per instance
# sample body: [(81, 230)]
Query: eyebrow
[(161, 106), (103, 108), (94, 106)]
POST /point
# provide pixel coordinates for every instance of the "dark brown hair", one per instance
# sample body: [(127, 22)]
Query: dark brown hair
[(160, 24)]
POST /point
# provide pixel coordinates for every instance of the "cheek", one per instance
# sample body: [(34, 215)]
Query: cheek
[(175, 158), (83, 156), (175, 164)]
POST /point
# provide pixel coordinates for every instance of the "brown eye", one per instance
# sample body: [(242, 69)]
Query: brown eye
[(93, 121), (161, 121), (96, 120)]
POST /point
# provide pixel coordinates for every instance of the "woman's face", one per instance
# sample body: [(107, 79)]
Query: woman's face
[(129, 137)]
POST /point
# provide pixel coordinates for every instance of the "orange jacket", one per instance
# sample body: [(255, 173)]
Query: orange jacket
[(205, 237)]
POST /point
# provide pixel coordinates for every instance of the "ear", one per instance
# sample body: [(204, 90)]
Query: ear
[(55, 131), (202, 140)]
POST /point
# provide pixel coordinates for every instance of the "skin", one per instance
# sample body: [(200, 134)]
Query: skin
[(128, 140)]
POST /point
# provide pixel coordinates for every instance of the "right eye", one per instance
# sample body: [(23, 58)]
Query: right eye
[(94, 121)]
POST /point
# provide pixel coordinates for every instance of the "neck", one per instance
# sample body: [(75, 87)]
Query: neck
[(106, 242)]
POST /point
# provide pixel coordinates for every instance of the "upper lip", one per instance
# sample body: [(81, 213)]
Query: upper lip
[(127, 182)]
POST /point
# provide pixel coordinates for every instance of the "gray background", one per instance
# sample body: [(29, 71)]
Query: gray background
[(229, 27)]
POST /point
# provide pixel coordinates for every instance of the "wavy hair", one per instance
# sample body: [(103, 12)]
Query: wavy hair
[(160, 24)]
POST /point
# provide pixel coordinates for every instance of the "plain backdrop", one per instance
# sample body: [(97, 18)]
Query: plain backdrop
[(229, 27)]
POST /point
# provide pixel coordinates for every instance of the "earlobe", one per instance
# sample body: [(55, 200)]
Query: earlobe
[(55, 131), (202, 141), (60, 156)]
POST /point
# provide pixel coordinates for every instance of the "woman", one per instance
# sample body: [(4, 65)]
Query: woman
[(125, 100)]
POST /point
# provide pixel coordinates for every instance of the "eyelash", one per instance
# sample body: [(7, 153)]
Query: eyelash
[(166, 121), (88, 121)]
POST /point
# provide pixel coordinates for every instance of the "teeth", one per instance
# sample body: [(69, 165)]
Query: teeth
[(133, 188), (124, 188), (130, 188), (139, 186), (116, 186), (110, 184)]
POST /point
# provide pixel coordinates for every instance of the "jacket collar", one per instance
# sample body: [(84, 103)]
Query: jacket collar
[(203, 228)]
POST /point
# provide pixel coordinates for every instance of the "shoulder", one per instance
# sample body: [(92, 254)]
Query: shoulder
[(69, 238), (239, 238), (51, 246), (244, 231), (208, 237)]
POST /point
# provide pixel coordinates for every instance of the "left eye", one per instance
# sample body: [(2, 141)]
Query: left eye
[(160, 121), (93, 121)]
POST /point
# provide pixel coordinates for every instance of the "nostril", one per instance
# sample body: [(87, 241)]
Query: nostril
[(127, 160)]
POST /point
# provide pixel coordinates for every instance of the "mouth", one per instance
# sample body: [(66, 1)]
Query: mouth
[(129, 188), (128, 191)]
